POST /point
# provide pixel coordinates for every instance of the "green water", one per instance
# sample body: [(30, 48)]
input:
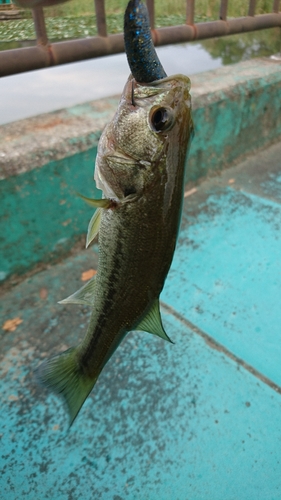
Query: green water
[(241, 47)]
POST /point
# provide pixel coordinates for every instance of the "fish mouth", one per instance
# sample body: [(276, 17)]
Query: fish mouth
[(173, 78), (135, 91)]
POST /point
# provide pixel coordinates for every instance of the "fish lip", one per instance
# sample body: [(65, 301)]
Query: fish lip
[(176, 77), (133, 88), (132, 92)]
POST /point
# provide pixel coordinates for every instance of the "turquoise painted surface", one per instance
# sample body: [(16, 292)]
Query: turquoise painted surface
[(42, 216), (228, 263), (165, 421)]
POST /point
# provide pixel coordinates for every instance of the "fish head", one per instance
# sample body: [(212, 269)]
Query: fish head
[(147, 139)]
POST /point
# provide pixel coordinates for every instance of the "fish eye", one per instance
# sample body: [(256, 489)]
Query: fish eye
[(161, 119)]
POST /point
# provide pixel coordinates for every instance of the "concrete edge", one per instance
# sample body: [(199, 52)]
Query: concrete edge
[(34, 142), (236, 109)]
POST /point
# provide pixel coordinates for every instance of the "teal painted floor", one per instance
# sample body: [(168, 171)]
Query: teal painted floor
[(200, 419)]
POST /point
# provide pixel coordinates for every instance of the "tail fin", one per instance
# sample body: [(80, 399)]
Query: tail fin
[(63, 375)]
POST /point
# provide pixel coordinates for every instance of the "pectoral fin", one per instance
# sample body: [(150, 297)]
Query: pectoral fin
[(84, 295), (102, 203), (94, 226), (152, 322)]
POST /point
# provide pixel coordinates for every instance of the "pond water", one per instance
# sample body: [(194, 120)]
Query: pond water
[(41, 91), (35, 92)]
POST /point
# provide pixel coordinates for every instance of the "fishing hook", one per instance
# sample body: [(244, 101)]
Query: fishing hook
[(132, 96)]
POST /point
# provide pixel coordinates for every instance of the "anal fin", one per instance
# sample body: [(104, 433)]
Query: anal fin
[(152, 323)]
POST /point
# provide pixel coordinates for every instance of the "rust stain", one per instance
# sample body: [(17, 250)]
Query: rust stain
[(13, 397), (86, 275), (11, 324), (66, 222), (47, 123), (52, 123), (43, 293)]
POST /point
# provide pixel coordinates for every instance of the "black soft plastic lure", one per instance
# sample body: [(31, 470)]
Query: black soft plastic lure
[(141, 54)]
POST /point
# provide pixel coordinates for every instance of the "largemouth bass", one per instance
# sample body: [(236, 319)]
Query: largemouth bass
[(140, 168)]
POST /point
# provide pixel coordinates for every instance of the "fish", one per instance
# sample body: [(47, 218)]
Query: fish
[(140, 168)]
